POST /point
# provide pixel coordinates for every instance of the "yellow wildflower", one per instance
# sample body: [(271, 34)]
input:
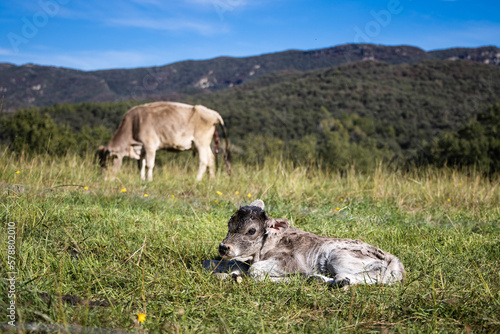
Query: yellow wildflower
[(86, 188), (236, 192), (337, 209), (124, 190), (249, 195), (141, 317), (448, 199), (146, 195), (216, 201), (219, 193), (17, 172), (173, 196)]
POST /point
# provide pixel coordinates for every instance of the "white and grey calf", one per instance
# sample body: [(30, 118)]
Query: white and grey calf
[(276, 250)]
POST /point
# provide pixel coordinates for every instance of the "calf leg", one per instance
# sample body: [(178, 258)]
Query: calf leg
[(371, 273), (268, 268), (341, 280)]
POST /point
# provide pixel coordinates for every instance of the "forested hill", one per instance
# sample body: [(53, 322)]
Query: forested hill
[(32, 85), (398, 107), (436, 112)]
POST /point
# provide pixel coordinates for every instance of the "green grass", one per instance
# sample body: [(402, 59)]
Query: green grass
[(122, 253)]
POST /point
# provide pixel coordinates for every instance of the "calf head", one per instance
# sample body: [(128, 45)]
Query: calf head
[(249, 228)]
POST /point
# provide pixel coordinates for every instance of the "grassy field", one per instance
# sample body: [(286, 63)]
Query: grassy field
[(93, 254)]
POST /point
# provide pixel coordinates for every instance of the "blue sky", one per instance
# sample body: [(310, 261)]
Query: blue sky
[(93, 34)]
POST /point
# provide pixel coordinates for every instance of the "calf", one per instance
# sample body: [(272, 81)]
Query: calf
[(275, 250)]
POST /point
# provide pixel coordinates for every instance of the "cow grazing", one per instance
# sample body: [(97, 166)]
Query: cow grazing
[(275, 250), (173, 126)]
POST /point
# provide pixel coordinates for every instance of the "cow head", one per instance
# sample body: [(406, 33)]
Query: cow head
[(104, 157), (248, 229)]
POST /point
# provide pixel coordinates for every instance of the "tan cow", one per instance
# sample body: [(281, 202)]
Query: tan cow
[(174, 126)]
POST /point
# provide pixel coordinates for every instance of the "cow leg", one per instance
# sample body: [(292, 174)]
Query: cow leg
[(142, 163), (116, 164), (211, 164), (150, 163), (204, 161)]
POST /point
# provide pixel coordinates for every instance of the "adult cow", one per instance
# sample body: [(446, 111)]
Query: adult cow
[(173, 126)]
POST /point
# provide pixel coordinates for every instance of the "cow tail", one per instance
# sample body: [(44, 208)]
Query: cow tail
[(227, 152), (216, 148)]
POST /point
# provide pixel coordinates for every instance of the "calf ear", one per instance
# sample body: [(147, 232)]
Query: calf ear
[(276, 226), (258, 203)]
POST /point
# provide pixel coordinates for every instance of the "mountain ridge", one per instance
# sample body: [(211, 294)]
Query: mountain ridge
[(35, 85)]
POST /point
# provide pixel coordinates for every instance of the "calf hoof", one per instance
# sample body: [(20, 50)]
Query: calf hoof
[(341, 282)]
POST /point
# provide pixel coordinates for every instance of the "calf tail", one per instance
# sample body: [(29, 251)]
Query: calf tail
[(395, 271)]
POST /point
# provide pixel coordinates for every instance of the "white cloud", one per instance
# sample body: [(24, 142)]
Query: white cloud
[(221, 7), (6, 52), (166, 25), (148, 2), (89, 60), (467, 34), (228, 3)]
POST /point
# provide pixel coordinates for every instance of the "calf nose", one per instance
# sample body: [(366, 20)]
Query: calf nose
[(223, 249)]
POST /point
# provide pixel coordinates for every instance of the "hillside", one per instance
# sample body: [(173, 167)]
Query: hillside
[(33, 85), (357, 113), (401, 107)]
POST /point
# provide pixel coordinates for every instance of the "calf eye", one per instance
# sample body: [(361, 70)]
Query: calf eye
[(251, 231)]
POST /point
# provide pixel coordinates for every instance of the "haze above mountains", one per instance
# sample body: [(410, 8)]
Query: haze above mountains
[(32, 85)]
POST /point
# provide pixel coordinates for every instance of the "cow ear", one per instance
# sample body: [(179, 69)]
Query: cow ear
[(258, 203), (276, 226)]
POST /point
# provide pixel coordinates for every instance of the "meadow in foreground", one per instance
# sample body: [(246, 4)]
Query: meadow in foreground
[(126, 254)]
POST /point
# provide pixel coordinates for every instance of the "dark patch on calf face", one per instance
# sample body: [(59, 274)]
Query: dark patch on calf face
[(246, 215), (246, 230)]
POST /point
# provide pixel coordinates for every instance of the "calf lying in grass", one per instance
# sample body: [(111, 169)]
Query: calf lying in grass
[(276, 250)]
